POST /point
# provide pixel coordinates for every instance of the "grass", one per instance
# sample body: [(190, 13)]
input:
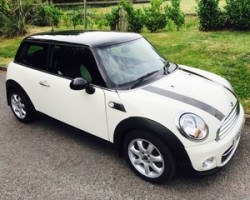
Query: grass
[(8, 50)]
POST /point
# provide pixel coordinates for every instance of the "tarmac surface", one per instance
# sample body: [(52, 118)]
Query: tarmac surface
[(50, 160)]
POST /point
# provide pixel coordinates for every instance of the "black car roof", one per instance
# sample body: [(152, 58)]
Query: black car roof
[(89, 38)]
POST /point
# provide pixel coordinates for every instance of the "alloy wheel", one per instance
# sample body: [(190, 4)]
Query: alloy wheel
[(146, 158), (18, 106)]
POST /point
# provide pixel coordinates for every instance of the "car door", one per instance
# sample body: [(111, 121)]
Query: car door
[(48, 89), (74, 107)]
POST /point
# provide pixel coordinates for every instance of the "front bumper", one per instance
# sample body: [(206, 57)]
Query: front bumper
[(217, 153)]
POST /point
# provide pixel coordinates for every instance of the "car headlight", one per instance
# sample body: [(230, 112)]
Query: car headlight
[(192, 126)]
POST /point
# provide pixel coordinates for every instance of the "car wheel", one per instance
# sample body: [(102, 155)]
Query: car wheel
[(21, 106), (149, 157)]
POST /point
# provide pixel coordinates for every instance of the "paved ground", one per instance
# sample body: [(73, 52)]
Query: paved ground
[(49, 160)]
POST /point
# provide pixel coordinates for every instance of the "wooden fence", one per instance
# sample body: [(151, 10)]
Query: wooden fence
[(92, 2)]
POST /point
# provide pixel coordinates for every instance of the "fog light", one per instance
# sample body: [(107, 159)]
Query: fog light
[(208, 163)]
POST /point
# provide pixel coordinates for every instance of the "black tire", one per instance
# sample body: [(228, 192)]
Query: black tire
[(154, 162), (21, 106)]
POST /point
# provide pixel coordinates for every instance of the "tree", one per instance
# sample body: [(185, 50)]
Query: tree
[(175, 14), (155, 19)]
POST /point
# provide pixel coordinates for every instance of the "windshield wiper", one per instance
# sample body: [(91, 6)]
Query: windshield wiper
[(165, 67), (142, 78)]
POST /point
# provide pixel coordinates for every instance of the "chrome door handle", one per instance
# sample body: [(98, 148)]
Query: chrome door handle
[(44, 83)]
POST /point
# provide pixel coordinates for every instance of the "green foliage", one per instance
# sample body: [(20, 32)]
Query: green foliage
[(210, 15), (100, 21), (238, 12), (136, 20), (66, 20), (76, 18), (40, 17), (155, 19), (14, 17), (113, 18), (175, 14), (4, 8), (135, 17), (14, 25), (90, 20), (236, 15), (46, 15)]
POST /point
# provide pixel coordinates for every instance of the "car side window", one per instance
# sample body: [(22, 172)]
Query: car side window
[(75, 61), (33, 55)]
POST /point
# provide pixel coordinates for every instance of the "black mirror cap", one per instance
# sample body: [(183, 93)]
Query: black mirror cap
[(90, 89), (78, 84)]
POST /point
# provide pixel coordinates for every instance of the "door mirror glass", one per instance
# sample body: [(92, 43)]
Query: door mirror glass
[(78, 84)]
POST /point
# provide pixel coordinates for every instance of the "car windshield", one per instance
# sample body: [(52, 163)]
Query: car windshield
[(126, 63)]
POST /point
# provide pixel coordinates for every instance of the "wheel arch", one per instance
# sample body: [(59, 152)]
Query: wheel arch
[(173, 143), (13, 85)]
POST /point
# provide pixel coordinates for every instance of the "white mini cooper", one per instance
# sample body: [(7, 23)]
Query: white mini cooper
[(161, 116)]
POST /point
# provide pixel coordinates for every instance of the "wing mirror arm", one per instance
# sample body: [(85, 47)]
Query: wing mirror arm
[(81, 84), (90, 89)]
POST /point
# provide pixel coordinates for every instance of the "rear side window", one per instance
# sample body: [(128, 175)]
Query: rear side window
[(33, 55)]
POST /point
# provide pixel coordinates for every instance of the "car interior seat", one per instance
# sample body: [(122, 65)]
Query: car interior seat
[(85, 73)]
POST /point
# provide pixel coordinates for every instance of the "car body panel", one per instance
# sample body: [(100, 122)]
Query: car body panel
[(198, 88), (216, 149), (76, 108), (164, 111)]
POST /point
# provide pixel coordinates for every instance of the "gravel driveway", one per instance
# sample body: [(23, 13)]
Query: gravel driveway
[(49, 160)]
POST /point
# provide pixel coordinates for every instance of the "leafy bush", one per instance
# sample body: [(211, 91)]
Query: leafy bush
[(238, 13), (14, 17), (175, 14), (136, 20), (90, 20), (135, 17), (14, 25), (76, 18), (100, 21), (155, 19), (40, 18), (113, 18), (210, 15), (47, 15), (4, 9)]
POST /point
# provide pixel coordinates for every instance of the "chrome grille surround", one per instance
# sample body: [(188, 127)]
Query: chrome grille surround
[(228, 122)]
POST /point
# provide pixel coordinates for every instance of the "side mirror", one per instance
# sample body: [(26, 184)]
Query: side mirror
[(78, 84), (81, 84)]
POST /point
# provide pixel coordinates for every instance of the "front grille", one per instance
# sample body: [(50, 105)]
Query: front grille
[(229, 122)]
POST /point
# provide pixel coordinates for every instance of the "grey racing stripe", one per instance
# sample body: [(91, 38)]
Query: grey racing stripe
[(188, 100)]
